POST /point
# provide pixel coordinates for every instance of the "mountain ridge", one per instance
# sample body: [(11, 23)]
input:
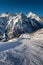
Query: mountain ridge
[(13, 24)]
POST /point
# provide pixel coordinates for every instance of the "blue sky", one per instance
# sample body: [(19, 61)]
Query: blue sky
[(25, 6)]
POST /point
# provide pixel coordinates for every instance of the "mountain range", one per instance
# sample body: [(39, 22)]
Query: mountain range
[(13, 25), (21, 39)]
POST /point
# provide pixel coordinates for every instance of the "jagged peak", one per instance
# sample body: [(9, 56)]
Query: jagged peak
[(33, 16), (22, 15)]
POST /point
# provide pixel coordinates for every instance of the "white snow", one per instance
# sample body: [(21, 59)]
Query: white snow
[(4, 15), (23, 50), (34, 16)]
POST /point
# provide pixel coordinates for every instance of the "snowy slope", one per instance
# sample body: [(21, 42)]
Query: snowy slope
[(22, 51)]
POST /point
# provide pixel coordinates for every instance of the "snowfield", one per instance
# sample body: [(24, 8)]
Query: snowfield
[(22, 51)]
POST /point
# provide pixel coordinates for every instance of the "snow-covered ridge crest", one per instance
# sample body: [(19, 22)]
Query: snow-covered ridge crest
[(4, 15), (33, 16)]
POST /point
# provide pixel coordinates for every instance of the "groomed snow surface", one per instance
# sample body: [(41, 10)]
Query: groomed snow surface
[(22, 51)]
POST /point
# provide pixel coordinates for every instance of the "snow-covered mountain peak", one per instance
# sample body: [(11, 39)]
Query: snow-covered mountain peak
[(21, 15), (33, 16), (18, 19), (4, 15)]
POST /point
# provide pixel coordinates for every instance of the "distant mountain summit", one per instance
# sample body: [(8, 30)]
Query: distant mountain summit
[(34, 16), (13, 25)]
